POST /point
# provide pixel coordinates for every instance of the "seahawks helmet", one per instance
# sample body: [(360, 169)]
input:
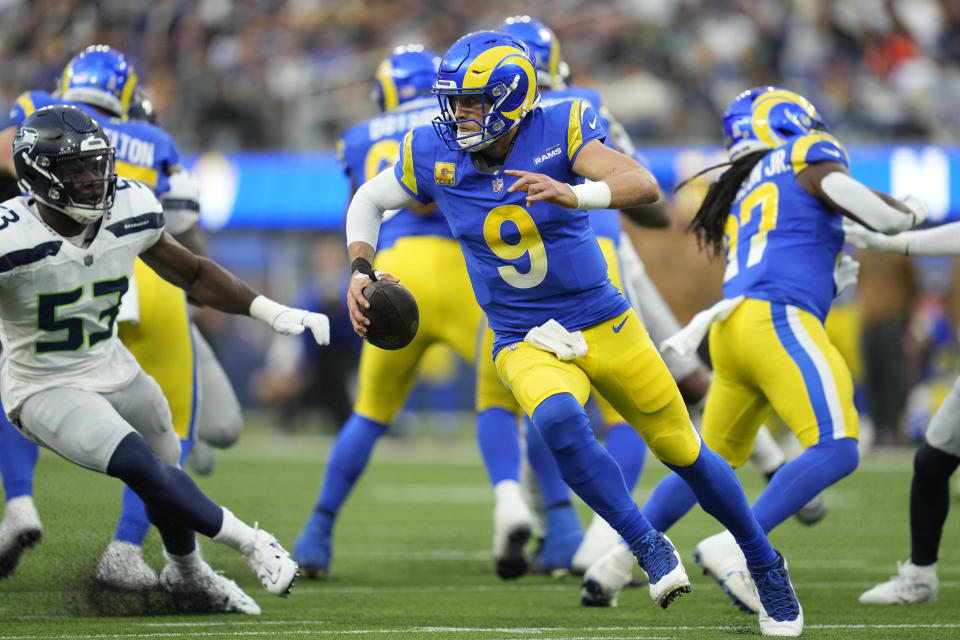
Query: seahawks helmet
[(544, 48), (495, 67), (765, 118), (407, 74), (101, 76), (64, 160)]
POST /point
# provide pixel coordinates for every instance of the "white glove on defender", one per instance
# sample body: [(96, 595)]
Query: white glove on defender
[(290, 321), (845, 273)]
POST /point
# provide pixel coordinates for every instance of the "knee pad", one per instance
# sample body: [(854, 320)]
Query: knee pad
[(562, 422), (932, 463)]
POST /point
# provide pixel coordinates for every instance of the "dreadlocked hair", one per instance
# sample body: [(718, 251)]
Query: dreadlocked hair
[(711, 218)]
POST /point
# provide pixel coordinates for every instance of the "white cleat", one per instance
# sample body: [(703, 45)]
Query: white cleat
[(605, 579), (193, 576), (122, 567), (662, 565), (20, 529), (720, 558), (598, 539), (911, 585), (512, 527), (274, 567)]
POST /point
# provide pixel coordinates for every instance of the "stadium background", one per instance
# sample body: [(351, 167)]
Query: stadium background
[(257, 92)]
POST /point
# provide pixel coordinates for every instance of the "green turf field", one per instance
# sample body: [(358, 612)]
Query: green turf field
[(413, 561)]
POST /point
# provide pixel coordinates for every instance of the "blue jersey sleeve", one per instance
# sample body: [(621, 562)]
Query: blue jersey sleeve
[(818, 146), (27, 103), (584, 125)]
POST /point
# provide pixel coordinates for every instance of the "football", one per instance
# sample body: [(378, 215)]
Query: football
[(393, 313)]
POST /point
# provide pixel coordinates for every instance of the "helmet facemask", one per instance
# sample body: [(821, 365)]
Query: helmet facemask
[(81, 186)]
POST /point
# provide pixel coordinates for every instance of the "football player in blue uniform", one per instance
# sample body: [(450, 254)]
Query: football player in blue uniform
[(776, 217), (415, 243), (939, 455), (500, 169)]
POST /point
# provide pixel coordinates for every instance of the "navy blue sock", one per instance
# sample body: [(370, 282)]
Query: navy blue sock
[(798, 481), (586, 466), (499, 444), (348, 458), (669, 501), (133, 524), (174, 502), (719, 493), (18, 457), (629, 450), (929, 501), (554, 490)]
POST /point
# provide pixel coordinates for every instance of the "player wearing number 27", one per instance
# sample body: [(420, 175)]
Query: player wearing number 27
[(500, 168), (776, 216)]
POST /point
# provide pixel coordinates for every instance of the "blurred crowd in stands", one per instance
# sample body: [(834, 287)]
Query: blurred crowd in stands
[(291, 74)]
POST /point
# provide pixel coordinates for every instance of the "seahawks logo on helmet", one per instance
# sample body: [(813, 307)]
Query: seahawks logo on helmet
[(26, 138)]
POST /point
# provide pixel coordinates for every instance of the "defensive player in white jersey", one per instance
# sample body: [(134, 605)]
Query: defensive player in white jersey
[(67, 252), (937, 458)]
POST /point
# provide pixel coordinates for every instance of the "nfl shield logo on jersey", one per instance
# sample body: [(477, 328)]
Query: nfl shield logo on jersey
[(87, 260), (497, 185)]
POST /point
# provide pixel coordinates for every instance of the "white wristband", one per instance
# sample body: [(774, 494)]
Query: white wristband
[(266, 310), (592, 195)]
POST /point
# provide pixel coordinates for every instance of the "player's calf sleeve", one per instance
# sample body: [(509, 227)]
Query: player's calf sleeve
[(554, 490), (669, 501), (133, 523), (628, 450), (929, 501), (18, 457), (719, 492), (586, 466), (798, 481), (348, 458), (169, 493), (499, 444)]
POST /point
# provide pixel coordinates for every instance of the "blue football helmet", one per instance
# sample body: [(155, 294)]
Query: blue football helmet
[(408, 73), (765, 118), (544, 48), (491, 65), (101, 76)]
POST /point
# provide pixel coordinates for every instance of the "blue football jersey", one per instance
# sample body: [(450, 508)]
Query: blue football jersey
[(605, 222), (782, 243), (145, 152), (527, 264), (368, 148)]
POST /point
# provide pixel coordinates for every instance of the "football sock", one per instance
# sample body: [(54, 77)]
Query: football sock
[(669, 501), (719, 493), (499, 444), (234, 532), (798, 481), (929, 501), (170, 494), (133, 524), (628, 450), (18, 457), (586, 466), (348, 458), (554, 490)]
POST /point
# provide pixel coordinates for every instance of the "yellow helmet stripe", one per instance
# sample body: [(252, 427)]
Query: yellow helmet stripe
[(65, 79), (127, 94), (26, 103), (761, 113), (553, 64), (388, 86)]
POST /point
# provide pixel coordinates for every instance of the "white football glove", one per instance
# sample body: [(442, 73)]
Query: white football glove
[(918, 208), (859, 236), (290, 321), (845, 273)]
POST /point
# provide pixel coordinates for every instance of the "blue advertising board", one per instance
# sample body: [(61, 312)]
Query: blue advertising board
[(291, 191)]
